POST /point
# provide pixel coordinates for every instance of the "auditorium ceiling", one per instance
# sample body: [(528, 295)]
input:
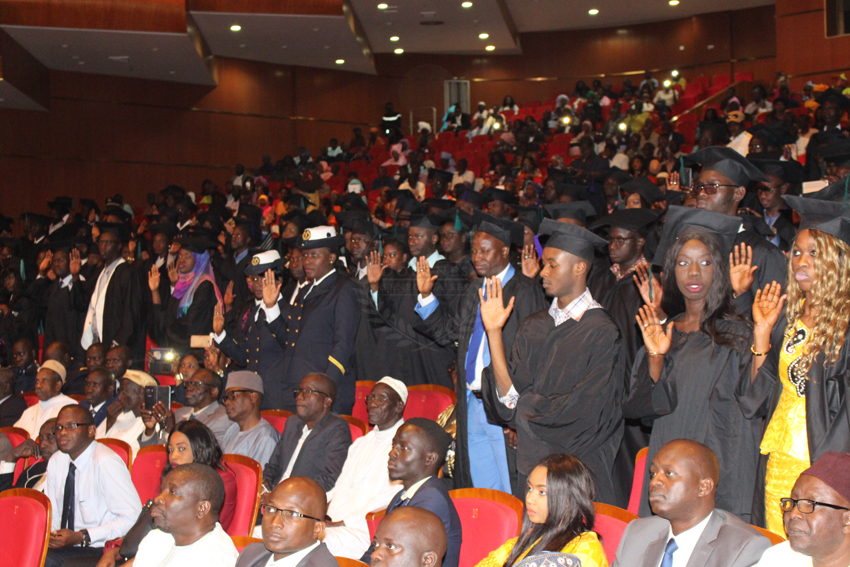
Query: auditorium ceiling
[(178, 40)]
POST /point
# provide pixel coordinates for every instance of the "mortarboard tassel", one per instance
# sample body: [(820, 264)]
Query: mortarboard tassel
[(846, 186), (381, 245), (458, 225)]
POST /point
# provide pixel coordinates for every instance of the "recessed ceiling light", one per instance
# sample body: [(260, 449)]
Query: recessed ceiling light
[(483, 35), (340, 61), (398, 51), (490, 47), (382, 6), (466, 4), (593, 11), (394, 38), (235, 27), (674, 2)]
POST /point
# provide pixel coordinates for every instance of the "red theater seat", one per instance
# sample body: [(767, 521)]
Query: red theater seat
[(24, 527), (249, 481)]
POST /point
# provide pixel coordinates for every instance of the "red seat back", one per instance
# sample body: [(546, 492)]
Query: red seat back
[(122, 449), (637, 481), (359, 428), (16, 436), (488, 518), (249, 479), (147, 471), (610, 524), (361, 391), (428, 400), (165, 380), (30, 398), (277, 418), (24, 527)]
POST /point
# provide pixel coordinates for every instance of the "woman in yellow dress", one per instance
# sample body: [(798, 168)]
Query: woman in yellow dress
[(559, 516), (800, 370)]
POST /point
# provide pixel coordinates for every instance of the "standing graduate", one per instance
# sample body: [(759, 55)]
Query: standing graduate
[(481, 456), (784, 177), (800, 365), (685, 377), (562, 387)]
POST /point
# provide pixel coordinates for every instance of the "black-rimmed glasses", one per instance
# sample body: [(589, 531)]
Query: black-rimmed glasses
[(805, 506), (271, 511), (298, 391), (71, 426)]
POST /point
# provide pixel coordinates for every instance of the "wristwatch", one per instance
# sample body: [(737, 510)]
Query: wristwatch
[(86, 538)]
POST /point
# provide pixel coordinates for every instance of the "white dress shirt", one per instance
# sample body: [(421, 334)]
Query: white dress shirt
[(741, 143), (34, 416), (686, 542), (782, 554), (127, 428), (105, 501), (215, 549), (94, 317), (305, 432), (292, 560)]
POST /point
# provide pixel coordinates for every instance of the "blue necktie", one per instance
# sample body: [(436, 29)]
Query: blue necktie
[(671, 548), (474, 345)]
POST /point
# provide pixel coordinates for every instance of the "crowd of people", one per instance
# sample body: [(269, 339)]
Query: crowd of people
[(584, 296)]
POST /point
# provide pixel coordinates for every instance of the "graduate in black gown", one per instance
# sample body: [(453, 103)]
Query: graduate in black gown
[(805, 355), (626, 241), (479, 459), (784, 177), (159, 255), (685, 377), (721, 187), (561, 387)]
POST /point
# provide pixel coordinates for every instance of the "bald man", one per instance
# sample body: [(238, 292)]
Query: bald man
[(293, 523), (409, 537), (687, 529)]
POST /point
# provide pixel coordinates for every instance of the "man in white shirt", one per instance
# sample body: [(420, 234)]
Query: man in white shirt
[(90, 491), (127, 425), (185, 516), (364, 484), (48, 388), (739, 138), (687, 528), (816, 517)]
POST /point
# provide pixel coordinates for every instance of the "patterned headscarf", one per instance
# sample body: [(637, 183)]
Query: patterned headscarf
[(186, 285)]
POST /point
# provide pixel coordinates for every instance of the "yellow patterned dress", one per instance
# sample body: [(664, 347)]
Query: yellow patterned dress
[(586, 547), (785, 438)]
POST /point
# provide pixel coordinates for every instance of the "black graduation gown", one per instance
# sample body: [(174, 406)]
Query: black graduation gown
[(768, 257), (142, 272), (784, 227), (600, 279), (251, 346), (827, 414), (569, 380), (451, 327), (64, 312), (229, 270), (373, 358), (175, 332), (122, 317), (695, 399), (22, 320), (622, 302), (318, 335)]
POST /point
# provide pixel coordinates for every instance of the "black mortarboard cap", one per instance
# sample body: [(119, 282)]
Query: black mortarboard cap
[(577, 192), (62, 245), (297, 217), (618, 174), (506, 230), (577, 210), (474, 197), (495, 194), (117, 210), (440, 204), (36, 218), (675, 197), (90, 203), (729, 163), (834, 94), (252, 227), (645, 188), (174, 191), (357, 222), (571, 238), (433, 222), (724, 228), (826, 216), (838, 152), (717, 128), (298, 200), (456, 215), (252, 212), (61, 204), (838, 191), (531, 217), (167, 229), (444, 176), (775, 134), (789, 171), (635, 220), (558, 175), (353, 201), (119, 229)]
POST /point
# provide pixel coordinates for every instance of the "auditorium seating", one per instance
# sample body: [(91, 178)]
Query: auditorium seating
[(24, 527), (277, 418), (637, 481), (359, 428), (249, 483), (147, 471), (488, 518), (122, 449), (362, 389), (610, 524), (428, 400)]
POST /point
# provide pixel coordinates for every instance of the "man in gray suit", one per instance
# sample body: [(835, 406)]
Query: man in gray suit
[(293, 522), (687, 530), (202, 393)]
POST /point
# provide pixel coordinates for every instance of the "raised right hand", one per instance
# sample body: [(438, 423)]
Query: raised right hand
[(494, 313), (767, 305), (424, 279), (229, 296), (153, 278), (374, 269), (655, 338), (218, 318), (642, 278)]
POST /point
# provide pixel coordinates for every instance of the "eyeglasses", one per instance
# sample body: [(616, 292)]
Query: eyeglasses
[(805, 506), (271, 511), (71, 426), (298, 391), (620, 241), (196, 384), (230, 396), (383, 398), (766, 189), (708, 188)]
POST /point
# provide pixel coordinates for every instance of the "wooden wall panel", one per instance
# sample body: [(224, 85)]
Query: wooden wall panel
[(146, 15), (785, 7)]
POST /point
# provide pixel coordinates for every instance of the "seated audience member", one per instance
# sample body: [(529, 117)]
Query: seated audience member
[(409, 537), (90, 474), (817, 517), (293, 522), (686, 525), (12, 405), (75, 379), (100, 393), (127, 425), (202, 393), (48, 385), (249, 434), (315, 440), (33, 475), (364, 484), (559, 516), (96, 355), (185, 515), (25, 365), (118, 360), (418, 453)]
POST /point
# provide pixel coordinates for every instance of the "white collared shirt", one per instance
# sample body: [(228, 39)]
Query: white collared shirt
[(98, 304), (686, 542), (411, 492), (34, 416), (213, 549), (305, 432), (294, 559), (318, 282)]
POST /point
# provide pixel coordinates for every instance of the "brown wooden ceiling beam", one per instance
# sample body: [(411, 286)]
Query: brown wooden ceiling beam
[(23, 71), (280, 7)]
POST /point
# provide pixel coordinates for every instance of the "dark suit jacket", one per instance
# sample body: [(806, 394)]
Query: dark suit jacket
[(319, 335), (322, 454), (433, 496), (726, 542), (11, 410), (28, 479), (256, 555), (101, 413)]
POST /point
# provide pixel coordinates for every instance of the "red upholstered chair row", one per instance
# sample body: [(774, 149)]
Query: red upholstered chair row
[(24, 527)]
